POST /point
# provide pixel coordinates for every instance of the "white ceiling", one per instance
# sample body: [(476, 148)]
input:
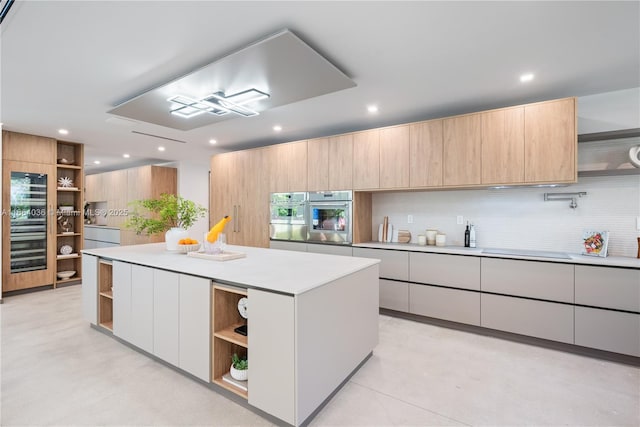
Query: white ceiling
[(65, 64)]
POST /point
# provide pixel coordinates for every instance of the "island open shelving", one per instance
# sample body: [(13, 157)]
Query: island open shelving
[(105, 284), (225, 318)]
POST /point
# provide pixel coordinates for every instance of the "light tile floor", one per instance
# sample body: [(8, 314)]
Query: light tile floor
[(55, 370)]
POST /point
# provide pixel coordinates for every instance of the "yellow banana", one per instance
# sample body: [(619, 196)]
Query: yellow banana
[(212, 236)]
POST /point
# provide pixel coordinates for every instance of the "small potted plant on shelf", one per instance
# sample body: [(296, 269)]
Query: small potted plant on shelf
[(170, 214), (239, 368)]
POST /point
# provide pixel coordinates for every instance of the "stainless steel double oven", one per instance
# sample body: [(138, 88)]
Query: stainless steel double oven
[(319, 216)]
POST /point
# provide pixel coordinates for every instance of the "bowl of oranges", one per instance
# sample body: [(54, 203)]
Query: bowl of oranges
[(188, 245)]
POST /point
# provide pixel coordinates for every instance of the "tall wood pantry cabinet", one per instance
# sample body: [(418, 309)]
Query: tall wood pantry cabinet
[(42, 180)]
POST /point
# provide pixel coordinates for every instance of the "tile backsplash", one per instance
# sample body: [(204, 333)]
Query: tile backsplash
[(520, 218)]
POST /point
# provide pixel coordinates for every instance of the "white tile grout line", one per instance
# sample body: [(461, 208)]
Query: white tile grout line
[(409, 403)]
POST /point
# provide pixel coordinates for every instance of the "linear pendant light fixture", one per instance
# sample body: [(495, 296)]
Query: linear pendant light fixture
[(217, 103)]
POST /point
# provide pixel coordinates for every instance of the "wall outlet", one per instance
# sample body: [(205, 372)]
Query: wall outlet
[(409, 219), (459, 220)]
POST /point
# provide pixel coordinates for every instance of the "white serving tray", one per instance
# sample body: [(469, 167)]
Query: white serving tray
[(224, 256)]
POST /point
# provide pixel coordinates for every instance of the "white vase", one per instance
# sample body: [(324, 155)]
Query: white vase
[(240, 375), (172, 236)]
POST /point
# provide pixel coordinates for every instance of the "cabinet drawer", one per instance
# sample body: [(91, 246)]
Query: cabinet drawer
[(442, 303), (608, 330), (330, 249), (608, 287), (540, 319), (445, 270), (544, 280), (393, 265), (394, 295), (110, 235)]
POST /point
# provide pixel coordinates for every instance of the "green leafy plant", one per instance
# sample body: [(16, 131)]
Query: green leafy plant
[(240, 364), (152, 216)]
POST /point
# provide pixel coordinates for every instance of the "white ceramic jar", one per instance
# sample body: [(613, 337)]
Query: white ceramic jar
[(431, 237), (441, 239)]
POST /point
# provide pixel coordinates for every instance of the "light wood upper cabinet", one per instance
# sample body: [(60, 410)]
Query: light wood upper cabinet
[(425, 154), (366, 160), (503, 146), (318, 164), (462, 150), (394, 157), (550, 141), (288, 164), (340, 162), (239, 189), (28, 148), (94, 188)]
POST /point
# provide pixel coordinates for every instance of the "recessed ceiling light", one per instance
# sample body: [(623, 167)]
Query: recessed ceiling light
[(277, 128), (63, 132), (126, 156), (161, 148), (526, 77), (97, 162), (213, 141), (372, 108)]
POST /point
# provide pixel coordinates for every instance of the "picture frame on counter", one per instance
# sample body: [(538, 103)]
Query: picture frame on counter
[(595, 243)]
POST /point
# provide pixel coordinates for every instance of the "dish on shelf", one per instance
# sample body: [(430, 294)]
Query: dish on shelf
[(66, 249), (188, 248), (65, 274), (64, 161)]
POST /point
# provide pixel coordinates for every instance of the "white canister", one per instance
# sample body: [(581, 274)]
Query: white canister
[(422, 239), (441, 239), (431, 237)]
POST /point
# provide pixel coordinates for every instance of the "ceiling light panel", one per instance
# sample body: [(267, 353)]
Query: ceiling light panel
[(250, 79)]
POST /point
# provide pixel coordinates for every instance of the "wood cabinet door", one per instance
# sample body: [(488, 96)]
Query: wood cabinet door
[(28, 148), (503, 146), (29, 224), (550, 141), (222, 192), (425, 154), (297, 166), (318, 164), (341, 162), (462, 150), (366, 160), (253, 206), (394, 157), (288, 167)]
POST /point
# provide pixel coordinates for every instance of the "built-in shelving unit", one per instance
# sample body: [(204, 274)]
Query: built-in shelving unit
[(606, 153), (224, 319), (105, 292), (70, 222)]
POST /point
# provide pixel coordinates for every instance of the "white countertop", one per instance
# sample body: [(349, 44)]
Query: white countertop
[(459, 250), (288, 272)]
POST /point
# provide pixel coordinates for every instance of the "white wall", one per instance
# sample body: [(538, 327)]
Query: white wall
[(193, 184), (520, 218)]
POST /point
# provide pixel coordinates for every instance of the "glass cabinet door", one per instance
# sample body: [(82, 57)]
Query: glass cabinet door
[(28, 222), (28, 255)]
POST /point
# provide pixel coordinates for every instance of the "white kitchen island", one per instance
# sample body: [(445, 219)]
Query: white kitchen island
[(313, 318)]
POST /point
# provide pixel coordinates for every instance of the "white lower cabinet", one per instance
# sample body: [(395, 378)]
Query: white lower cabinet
[(90, 288), (539, 319), (319, 248), (166, 299), (443, 303), (394, 295), (122, 322), (272, 354), (288, 246), (393, 264), (142, 307), (608, 330), (195, 326), (456, 271)]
